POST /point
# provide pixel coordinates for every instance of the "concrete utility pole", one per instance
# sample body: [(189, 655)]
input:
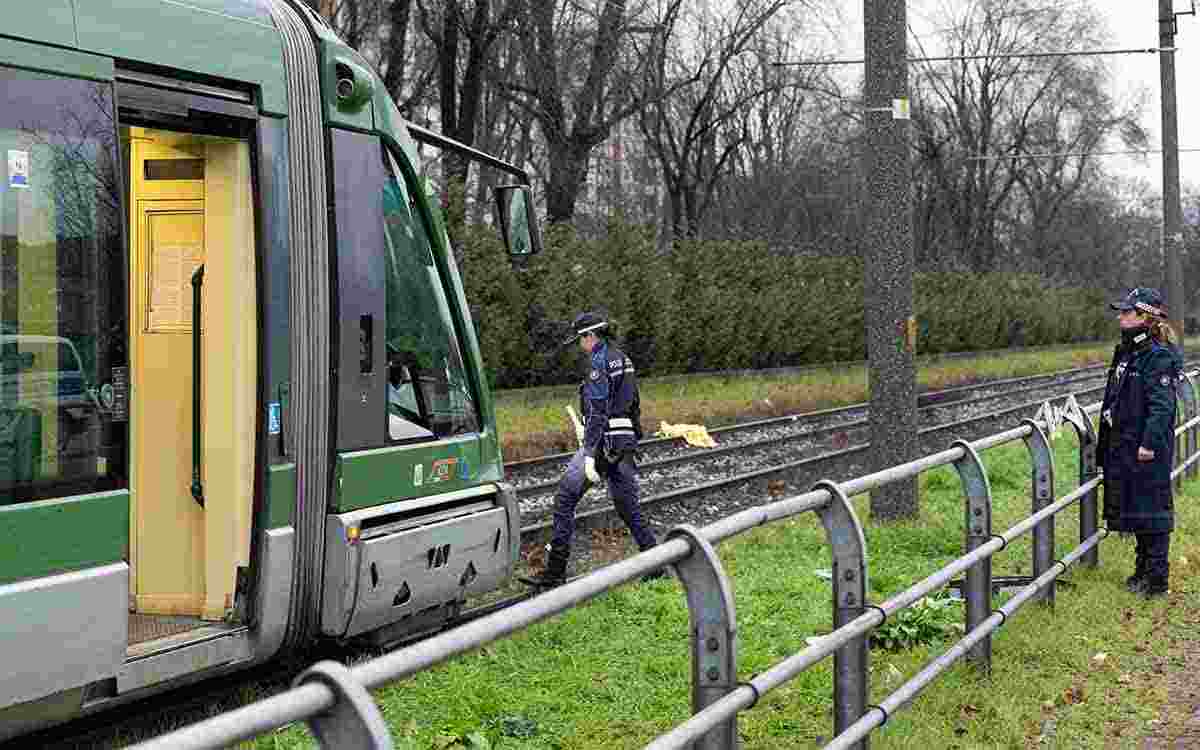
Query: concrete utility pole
[(888, 256), (1172, 221)]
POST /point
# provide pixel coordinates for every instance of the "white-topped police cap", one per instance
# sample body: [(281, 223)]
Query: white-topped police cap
[(585, 323), (1143, 299)]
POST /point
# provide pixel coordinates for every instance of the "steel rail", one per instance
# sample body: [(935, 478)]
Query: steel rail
[(788, 419), (605, 512), (917, 684), (537, 488), (787, 669)]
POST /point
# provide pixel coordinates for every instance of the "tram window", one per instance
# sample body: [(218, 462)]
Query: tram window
[(62, 289), (427, 383)]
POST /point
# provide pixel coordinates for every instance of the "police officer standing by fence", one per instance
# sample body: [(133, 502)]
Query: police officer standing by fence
[(1137, 436), (611, 409)]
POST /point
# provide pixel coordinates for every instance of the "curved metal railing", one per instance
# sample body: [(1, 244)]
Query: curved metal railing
[(334, 701)]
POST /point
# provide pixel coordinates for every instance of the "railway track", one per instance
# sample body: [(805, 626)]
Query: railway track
[(544, 470), (756, 461), (830, 443)]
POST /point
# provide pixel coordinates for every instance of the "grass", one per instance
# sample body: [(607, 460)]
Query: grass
[(614, 673), (534, 422)]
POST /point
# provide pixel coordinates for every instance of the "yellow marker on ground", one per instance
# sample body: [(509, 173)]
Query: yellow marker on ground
[(695, 434)]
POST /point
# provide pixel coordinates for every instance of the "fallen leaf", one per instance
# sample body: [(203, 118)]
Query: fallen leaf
[(1125, 679), (1099, 658)]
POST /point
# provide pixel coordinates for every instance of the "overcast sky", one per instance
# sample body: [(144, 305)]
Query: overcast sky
[(1132, 24)]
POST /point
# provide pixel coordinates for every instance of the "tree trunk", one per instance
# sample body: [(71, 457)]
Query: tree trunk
[(568, 169)]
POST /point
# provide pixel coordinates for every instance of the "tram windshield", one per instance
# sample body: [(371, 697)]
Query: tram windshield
[(427, 384)]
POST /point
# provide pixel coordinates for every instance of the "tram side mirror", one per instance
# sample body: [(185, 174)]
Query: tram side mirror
[(518, 224)]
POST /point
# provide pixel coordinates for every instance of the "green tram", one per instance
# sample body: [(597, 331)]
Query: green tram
[(242, 406)]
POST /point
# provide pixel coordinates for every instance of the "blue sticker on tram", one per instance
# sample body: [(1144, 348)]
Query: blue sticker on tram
[(274, 418)]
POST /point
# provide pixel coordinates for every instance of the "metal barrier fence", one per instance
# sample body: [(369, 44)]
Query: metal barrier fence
[(335, 703)]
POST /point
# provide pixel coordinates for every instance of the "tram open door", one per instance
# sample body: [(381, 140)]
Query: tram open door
[(111, 565), (191, 230)]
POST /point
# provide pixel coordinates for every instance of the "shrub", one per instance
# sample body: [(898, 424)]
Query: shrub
[(928, 621), (705, 305)]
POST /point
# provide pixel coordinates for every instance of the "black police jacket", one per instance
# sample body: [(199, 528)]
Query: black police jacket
[(1139, 411), (610, 403)]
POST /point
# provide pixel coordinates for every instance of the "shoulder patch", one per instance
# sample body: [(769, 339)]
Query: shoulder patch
[(594, 375), (1165, 380)]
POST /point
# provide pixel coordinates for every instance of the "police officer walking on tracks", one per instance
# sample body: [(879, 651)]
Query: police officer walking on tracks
[(611, 409), (1137, 436)]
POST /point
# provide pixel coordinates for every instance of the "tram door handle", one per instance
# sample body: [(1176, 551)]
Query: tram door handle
[(197, 284)]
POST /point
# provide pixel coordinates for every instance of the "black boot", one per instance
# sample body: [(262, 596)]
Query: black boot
[(555, 572), (1153, 587)]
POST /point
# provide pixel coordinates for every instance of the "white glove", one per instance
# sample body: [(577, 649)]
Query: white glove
[(589, 468), (579, 433)]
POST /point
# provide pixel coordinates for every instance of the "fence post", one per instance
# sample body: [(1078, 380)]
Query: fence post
[(1183, 397), (1190, 435), (1042, 492), (714, 633), (1089, 505), (848, 549), (354, 722), (977, 585)]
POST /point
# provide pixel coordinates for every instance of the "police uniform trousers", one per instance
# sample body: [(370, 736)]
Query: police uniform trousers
[(622, 490), (1153, 552)]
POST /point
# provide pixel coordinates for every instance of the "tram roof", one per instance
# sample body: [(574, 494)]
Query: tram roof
[(228, 39)]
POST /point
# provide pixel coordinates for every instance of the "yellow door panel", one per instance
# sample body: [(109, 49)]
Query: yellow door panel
[(230, 370), (170, 523)]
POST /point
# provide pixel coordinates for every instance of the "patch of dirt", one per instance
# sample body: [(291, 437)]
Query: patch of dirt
[(1176, 660)]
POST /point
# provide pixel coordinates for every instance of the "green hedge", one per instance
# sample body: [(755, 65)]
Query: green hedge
[(708, 305)]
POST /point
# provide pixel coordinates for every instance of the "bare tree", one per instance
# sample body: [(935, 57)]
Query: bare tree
[(791, 179), (972, 112), (463, 33), (582, 74), (711, 79), (382, 31)]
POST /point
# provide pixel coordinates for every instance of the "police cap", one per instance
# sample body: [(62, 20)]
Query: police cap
[(585, 323), (1143, 299)]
